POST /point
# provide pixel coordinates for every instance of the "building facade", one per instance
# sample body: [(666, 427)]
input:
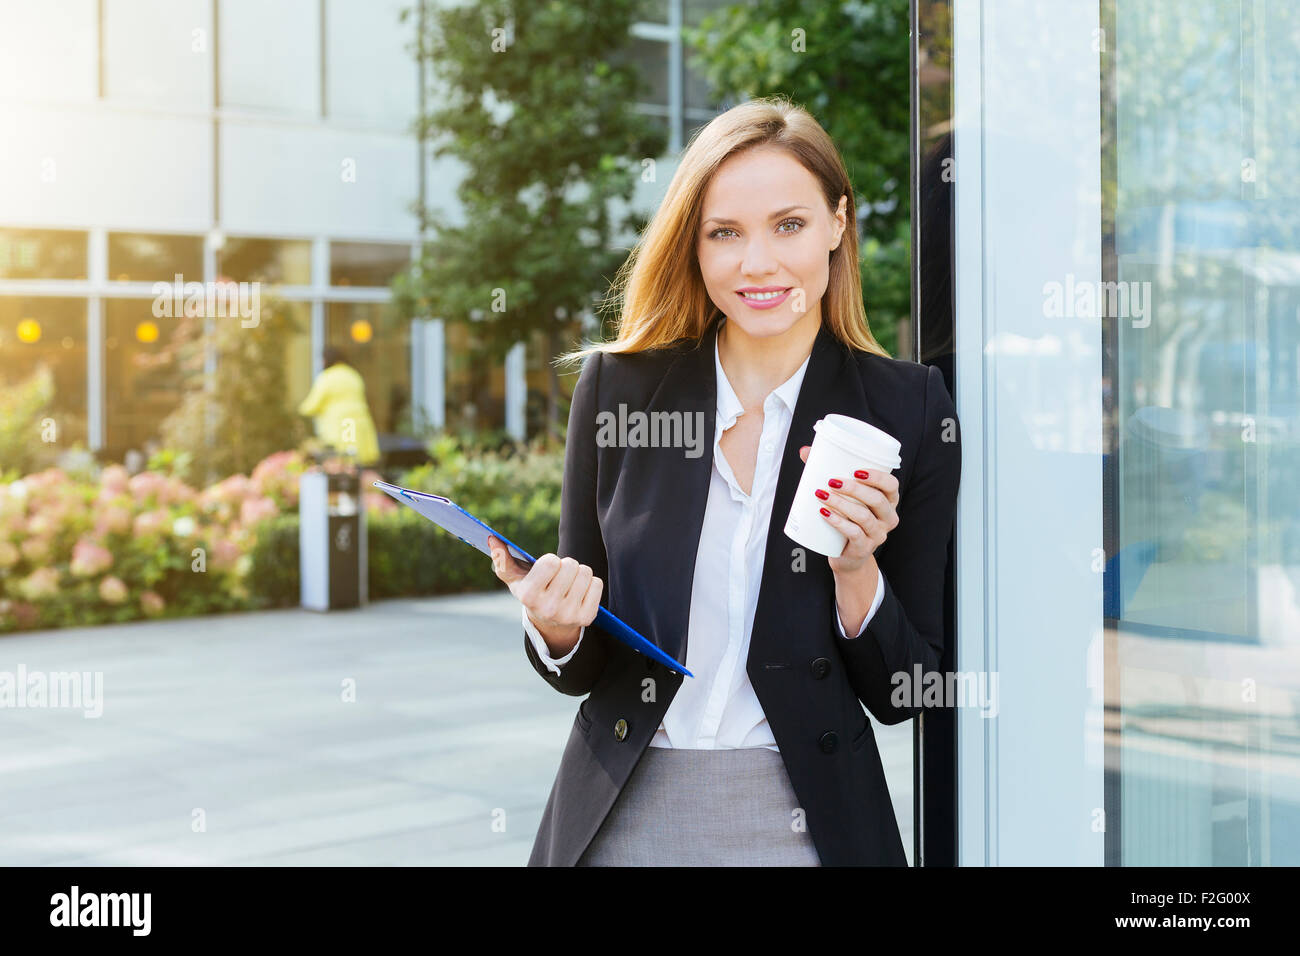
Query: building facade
[(256, 142)]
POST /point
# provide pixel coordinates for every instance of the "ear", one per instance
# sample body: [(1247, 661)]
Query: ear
[(841, 221)]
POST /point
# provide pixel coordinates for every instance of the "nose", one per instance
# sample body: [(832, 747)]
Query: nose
[(758, 260)]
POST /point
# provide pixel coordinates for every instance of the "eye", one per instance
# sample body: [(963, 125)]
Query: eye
[(781, 230)]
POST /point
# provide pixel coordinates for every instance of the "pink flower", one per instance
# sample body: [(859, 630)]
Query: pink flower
[(41, 583), (231, 490), (112, 518), (44, 521), (45, 483), (176, 491), (254, 510), (148, 486), (223, 555), (150, 522), (36, 550), (113, 591), (89, 558), (152, 604), (114, 479)]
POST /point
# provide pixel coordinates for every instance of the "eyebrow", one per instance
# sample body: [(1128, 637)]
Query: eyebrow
[(732, 222)]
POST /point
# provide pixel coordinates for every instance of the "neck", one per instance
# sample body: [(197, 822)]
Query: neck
[(757, 365)]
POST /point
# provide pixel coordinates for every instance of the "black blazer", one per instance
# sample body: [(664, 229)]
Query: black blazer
[(634, 515)]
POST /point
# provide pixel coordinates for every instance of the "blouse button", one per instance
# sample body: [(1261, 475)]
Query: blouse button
[(620, 729)]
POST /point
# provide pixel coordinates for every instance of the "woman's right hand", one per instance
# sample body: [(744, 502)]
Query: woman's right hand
[(560, 595)]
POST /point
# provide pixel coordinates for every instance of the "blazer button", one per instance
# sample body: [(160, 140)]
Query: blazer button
[(820, 667), (829, 741), (620, 729)]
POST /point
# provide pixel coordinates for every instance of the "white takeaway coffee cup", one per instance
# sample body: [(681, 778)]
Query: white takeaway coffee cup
[(840, 447)]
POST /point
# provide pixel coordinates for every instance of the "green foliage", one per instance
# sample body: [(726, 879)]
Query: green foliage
[(273, 573), (240, 405), (22, 405), (518, 494), (536, 105)]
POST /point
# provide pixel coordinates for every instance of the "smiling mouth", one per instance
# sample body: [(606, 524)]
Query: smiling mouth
[(763, 296)]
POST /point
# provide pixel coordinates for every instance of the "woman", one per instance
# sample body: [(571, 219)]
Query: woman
[(742, 310), (337, 401)]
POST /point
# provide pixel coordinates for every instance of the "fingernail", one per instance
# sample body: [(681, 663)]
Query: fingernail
[(822, 494), (835, 483), (825, 512), (861, 474)]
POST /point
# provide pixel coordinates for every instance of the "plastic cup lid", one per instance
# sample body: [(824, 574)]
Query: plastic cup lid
[(860, 438)]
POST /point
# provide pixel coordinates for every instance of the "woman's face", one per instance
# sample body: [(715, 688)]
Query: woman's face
[(765, 240)]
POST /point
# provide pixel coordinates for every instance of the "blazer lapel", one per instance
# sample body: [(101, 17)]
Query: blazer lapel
[(678, 495), (831, 385)]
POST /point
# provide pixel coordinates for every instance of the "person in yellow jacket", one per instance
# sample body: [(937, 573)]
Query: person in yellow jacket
[(337, 402)]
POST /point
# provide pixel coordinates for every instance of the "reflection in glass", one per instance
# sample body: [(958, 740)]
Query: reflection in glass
[(381, 353), (273, 261), (1203, 582), (42, 254), (475, 390), (143, 380), (650, 57), (146, 257), (367, 263), (37, 331)]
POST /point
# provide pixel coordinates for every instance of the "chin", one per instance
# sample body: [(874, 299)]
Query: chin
[(764, 326)]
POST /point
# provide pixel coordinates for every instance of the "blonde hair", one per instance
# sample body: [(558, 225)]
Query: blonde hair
[(659, 292)]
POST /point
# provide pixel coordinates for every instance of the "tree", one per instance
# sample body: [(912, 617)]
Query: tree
[(536, 107), (848, 63)]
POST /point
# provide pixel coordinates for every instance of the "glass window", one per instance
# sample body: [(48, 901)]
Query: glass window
[(273, 261), (42, 254), (381, 352), (297, 356), (143, 380), (367, 263), (144, 257), (651, 58), (694, 11), (654, 11), (1204, 401), (475, 391), (35, 331)]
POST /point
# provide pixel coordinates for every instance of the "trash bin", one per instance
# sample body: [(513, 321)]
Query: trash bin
[(331, 540)]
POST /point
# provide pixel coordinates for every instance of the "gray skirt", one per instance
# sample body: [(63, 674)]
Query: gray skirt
[(705, 808)]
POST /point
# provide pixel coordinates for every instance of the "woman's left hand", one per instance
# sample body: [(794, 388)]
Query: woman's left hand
[(864, 510)]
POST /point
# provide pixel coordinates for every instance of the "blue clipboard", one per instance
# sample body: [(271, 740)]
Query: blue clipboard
[(449, 516)]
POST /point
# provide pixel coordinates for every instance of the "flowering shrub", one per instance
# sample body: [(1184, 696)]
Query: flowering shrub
[(121, 547)]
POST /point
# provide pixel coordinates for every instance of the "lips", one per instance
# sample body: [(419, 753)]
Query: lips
[(767, 297)]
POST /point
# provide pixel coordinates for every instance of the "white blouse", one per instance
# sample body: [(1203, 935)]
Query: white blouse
[(718, 709)]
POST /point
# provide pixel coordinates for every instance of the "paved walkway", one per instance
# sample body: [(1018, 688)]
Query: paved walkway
[(227, 741)]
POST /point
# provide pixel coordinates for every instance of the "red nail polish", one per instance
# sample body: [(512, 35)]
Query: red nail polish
[(823, 495), (835, 483), (862, 474), (825, 512)]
